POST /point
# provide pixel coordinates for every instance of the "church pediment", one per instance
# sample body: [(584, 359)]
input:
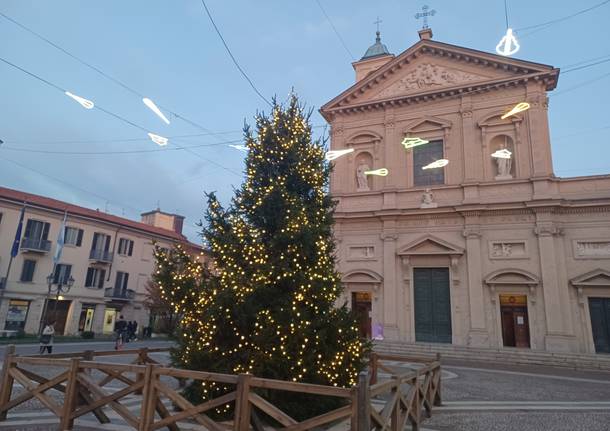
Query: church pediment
[(596, 278), (426, 124), (431, 69), (515, 277), (430, 245)]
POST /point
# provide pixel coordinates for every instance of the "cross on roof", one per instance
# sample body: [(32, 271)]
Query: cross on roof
[(378, 22), (425, 14)]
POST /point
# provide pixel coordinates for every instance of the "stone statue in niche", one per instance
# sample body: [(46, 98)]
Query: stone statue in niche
[(504, 164), (362, 181), (427, 200)]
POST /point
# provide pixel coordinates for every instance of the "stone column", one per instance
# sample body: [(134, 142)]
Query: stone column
[(73, 317), (390, 291), (478, 335), (98, 319), (555, 291)]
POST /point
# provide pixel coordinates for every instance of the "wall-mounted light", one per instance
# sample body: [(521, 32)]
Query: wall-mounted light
[(382, 172), (85, 103), (413, 142), (151, 105), (437, 164), (159, 140), (519, 107), (335, 154)]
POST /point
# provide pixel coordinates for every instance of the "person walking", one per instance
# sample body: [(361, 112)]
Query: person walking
[(134, 324), (120, 327), (129, 331), (46, 339)]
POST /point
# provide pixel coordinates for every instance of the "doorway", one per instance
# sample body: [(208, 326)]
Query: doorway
[(361, 305), (432, 305), (109, 319), (85, 321), (515, 322), (58, 311), (599, 309)]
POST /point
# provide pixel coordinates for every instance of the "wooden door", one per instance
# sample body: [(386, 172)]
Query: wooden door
[(599, 309), (59, 313), (361, 304), (515, 322), (432, 305)]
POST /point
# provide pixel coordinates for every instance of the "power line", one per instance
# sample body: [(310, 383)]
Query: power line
[(247, 78), (102, 73), (542, 26), (578, 63), (118, 117), (586, 65), (335, 30), (582, 84)]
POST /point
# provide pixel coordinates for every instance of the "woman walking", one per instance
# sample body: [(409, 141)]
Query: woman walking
[(46, 339)]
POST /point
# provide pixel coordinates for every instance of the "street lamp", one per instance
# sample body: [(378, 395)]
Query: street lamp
[(62, 286)]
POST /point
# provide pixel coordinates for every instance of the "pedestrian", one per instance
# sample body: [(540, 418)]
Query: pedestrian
[(46, 338), (135, 330), (129, 331), (120, 326)]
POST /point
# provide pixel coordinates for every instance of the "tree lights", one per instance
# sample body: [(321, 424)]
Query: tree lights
[(269, 307)]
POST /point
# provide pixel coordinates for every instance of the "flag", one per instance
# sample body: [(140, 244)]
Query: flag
[(15, 249), (60, 240)]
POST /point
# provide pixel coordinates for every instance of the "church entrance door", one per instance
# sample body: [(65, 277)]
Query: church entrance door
[(361, 305), (599, 308), (432, 305), (515, 323)]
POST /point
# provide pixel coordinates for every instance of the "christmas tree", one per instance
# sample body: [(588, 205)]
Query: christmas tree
[(270, 307)]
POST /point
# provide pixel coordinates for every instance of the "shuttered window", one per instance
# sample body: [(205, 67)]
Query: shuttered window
[(424, 155), (95, 277), (73, 236), (27, 272), (125, 247)]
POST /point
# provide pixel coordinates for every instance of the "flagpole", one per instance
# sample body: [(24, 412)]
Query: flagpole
[(13, 254)]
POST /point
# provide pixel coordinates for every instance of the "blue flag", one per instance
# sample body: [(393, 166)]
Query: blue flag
[(15, 249)]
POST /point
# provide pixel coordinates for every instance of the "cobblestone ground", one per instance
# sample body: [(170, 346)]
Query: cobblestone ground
[(476, 397)]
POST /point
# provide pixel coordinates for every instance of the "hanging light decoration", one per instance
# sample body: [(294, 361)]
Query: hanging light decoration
[(87, 104), (335, 154), (508, 45), (502, 154), (159, 140), (413, 142), (239, 147), (519, 107), (151, 105), (382, 172), (437, 164)]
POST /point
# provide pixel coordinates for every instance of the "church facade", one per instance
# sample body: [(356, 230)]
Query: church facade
[(490, 250)]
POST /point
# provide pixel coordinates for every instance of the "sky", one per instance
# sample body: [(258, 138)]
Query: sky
[(169, 52)]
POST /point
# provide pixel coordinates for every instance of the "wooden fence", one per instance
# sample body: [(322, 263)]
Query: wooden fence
[(380, 404)]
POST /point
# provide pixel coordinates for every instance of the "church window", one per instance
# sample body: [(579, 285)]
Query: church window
[(424, 155)]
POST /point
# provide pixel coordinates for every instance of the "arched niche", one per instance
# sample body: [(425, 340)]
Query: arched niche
[(362, 280), (502, 169), (513, 278), (365, 140), (363, 161), (493, 124)]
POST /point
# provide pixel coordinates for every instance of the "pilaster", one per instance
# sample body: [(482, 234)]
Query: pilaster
[(390, 292), (538, 125), (471, 147)]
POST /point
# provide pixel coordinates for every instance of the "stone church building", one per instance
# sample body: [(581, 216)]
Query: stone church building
[(485, 251)]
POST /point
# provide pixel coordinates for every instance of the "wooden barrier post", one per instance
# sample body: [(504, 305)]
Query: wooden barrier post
[(66, 421), (147, 410), (373, 365), (6, 384), (438, 400), (241, 421), (364, 402)]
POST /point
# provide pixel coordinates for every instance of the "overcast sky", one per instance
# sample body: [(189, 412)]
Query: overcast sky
[(168, 51)]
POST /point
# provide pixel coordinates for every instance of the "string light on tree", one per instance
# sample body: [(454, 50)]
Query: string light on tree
[(519, 107), (437, 164)]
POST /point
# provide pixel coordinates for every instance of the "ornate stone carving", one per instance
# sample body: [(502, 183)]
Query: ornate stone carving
[(428, 75), (427, 200), (592, 249), (508, 249), (550, 229), (361, 252), (472, 232)]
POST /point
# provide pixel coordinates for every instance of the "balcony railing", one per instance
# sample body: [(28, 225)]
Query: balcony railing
[(101, 256), (36, 244), (118, 294)]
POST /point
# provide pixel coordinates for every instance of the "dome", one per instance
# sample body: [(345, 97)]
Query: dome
[(376, 50)]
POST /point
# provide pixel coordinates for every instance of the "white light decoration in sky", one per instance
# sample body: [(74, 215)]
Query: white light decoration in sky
[(239, 147), (519, 107), (335, 154), (382, 172), (413, 142), (508, 45), (437, 164), (88, 104), (159, 140), (502, 154), (151, 105)]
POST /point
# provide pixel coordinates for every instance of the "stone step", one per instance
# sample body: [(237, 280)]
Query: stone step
[(507, 356)]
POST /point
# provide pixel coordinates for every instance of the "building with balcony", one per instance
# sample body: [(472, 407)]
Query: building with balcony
[(107, 260)]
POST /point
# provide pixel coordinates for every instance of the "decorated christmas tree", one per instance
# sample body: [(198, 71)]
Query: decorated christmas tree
[(269, 307)]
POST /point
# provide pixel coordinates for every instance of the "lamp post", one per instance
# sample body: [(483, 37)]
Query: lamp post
[(63, 285)]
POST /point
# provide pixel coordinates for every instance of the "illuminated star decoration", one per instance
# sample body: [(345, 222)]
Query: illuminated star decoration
[(335, 154), (382, 172), (87, 104), (437, 164), (151, 105), (239, 147), (502, 154), (519, 107), (508, 45), (159, 140), (413, 142)]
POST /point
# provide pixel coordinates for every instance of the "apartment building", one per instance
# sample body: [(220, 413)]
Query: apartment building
[(103, 270)]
